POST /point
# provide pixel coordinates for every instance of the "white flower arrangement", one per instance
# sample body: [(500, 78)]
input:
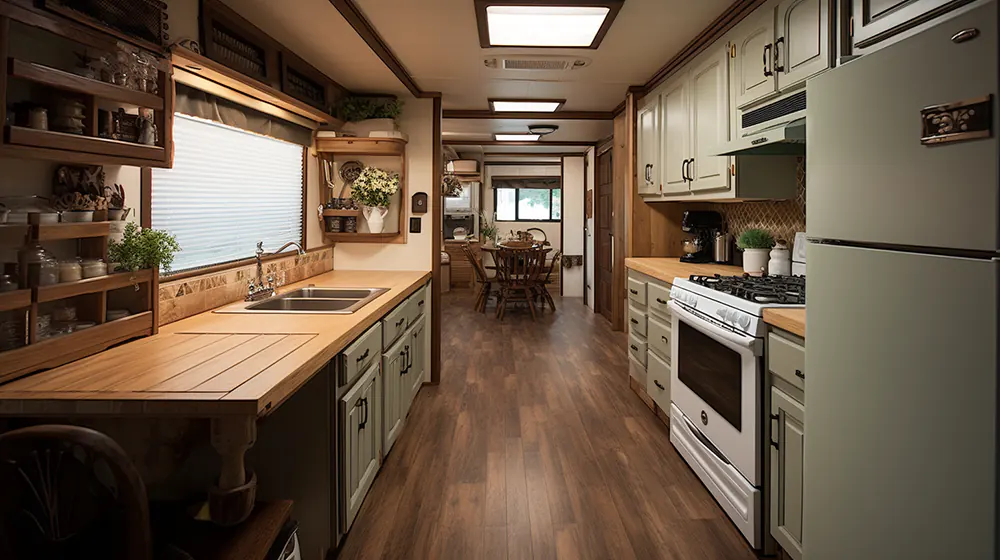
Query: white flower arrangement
[(375, 187)]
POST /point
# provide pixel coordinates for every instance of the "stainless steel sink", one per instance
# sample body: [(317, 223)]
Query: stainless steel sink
[(330, 301)]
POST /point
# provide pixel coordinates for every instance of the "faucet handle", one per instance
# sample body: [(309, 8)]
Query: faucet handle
[(260, 248), (270, 280)]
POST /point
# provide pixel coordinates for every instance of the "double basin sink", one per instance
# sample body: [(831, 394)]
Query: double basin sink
[(333, 301)]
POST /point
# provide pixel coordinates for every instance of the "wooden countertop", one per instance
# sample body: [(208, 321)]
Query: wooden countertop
[(667, 269), (791, 320), (210, 364)]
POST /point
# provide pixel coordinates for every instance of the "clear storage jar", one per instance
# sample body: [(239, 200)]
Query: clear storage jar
[(70, 270), (93, 268)]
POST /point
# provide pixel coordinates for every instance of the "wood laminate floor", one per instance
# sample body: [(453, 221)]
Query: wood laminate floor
[(533, 446)]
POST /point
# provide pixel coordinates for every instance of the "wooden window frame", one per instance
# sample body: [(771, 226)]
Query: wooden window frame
[(517, 211), (614, 6)]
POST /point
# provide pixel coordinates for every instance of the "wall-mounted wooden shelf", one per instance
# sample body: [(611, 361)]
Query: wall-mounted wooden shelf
[(71, 82), (140, 154), (362, 237), (107, 283), (18, 299), (70, 230), (343, 213), (361, 146)]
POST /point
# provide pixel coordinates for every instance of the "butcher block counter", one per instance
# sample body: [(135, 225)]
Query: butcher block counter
[(211, 364), (666, 269), (791, 320)]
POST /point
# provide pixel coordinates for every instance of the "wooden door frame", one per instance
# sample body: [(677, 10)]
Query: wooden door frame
[(586, 168)]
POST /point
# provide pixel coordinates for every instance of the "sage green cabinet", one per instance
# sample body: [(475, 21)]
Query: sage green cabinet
[(395, 392), (649, 147), (874, 22), (414, 378), (787, 445), (361, 441)]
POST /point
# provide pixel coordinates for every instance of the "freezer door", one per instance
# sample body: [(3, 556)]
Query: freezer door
[(870, 178), (900, 440)]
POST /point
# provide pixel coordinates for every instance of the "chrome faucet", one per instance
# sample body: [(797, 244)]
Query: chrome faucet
[(259, 290)]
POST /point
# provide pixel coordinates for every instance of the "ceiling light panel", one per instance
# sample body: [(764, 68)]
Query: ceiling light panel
[(516, 137), (526, 106), (544, 26)]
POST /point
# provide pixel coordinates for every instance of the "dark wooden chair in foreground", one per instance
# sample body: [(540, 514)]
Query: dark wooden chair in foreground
[(542, 290), (70, 492), (518, 271), (483, 279)]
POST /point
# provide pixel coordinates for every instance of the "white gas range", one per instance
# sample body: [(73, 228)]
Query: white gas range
[(717, 385)]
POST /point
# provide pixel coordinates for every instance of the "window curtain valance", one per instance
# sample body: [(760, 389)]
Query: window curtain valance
[(527, 183), (197, 103)]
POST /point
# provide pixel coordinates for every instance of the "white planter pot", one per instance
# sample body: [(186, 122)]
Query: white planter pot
[(755, 261), (375, 216), (361, 129)]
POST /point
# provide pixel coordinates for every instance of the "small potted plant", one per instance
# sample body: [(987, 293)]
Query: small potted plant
[(117, 210), (756, 245), (142, 248), (373, 190), (488, 231), (365, 115)]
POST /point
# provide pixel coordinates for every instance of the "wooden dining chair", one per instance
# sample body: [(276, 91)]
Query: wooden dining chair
[(518, 271), (542, 288), (70, 492), (483, 279)]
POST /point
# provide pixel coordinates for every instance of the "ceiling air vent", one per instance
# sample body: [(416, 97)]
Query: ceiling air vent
[(546, 63)]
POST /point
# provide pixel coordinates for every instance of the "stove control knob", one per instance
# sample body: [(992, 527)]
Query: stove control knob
[(744, 321), (723, 313)]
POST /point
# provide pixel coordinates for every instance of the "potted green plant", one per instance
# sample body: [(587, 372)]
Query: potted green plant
[(364, 115), (488, 231), (373, 189), (755, 244), (143, 248)]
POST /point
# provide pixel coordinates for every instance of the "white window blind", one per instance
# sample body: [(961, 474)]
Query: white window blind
[(228, 189)]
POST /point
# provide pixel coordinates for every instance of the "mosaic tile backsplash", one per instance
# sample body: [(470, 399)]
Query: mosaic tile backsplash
[(780, 217), (183, 298)]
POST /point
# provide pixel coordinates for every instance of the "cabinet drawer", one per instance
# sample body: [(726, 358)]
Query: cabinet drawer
[(659, 295), (360, 355), (786, 358), (658, 381), (659, 338), (637, 348), (394, 324), (637, 371), (636, 321), (637, 291), (416, 305)]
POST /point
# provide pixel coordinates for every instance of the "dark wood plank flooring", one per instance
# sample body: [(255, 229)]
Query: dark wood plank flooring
[(533, 446)]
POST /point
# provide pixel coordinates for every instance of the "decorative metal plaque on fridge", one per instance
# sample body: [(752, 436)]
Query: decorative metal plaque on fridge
[(954, 122)]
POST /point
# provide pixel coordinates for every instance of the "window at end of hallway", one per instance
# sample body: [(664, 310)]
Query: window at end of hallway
[(528, 205)]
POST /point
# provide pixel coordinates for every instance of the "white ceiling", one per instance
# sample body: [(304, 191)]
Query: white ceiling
[(483, 129)]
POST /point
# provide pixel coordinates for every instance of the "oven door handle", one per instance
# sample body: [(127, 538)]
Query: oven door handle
[(740, 341)]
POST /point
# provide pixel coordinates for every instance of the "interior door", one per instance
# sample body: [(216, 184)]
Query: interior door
[(755, 58), (802, 48), (787, 445), (393, 371), (605, 233), (676, 137), (710, 121), (649, 147)]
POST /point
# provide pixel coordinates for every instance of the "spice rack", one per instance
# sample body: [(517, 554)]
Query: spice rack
[(91, 296), (337, 149)]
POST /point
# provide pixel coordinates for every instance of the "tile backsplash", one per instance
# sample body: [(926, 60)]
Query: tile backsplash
[(183, 298), (780, 217)]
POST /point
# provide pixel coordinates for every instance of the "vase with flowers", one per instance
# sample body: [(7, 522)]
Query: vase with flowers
[(374, 189)]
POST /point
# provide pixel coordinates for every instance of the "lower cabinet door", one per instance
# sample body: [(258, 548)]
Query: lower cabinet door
[(393, 373), (361, 442), (418, 359), (787, 443), (658, 381)]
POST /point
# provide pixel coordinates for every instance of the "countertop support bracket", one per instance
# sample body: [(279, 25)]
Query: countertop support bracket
[(233, 500)]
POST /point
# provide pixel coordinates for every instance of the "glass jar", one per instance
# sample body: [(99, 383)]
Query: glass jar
[(70, 270), (7, 283), (48, 272), (93, 268), (30, 258), (64, 314)]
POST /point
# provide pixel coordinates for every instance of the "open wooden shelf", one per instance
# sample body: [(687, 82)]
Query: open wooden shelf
[(70, 230), (361, 146), (250, 540), (363, 237), (18, 299), (59, 350), (346, 213), (141, 153), (79, 84), (114, 281)]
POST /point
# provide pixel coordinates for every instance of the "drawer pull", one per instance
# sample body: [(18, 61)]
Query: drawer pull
[(400, 322), (665, 341), (799, 374), (634, 347), (774, 444), (362, 357), (774, 416), (634, 292), (660, 387), (634, 322), (420, 303), (660, 301)]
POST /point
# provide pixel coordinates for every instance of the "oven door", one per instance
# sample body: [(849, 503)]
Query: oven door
[(715, 382)]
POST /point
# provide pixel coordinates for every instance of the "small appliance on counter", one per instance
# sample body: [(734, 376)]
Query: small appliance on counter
[(703, 225), (723, 248)]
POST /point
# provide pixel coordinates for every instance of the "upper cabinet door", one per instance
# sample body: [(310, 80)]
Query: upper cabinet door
[(802, 46), (709, 86), (754, 40), (649, 147), (878, 20), (675, 153)]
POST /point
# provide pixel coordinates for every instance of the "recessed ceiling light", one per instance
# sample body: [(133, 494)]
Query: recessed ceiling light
[(526, 106), (560, 23), (516, 137)]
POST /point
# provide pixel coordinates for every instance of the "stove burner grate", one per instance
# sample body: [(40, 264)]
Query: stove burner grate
[(788, 290)]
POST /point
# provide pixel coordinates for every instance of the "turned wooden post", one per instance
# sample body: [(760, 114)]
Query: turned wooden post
[(232, 500)]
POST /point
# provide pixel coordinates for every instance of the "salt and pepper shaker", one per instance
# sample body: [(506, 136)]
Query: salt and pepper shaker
[(781, 261)]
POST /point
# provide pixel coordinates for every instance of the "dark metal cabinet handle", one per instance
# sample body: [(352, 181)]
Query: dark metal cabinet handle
[(660, 301), (767, 56), (400, 322), (665, 340), (362, 357), (778, 67), (799, 374), (634, 292), (634, 347), (634, 321), (684, 175), (690, 177), (774, 416), (660, 387), (774, 444), (409, 359), (420, 303)]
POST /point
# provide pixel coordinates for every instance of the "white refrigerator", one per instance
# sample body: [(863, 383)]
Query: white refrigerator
[(900, 457)]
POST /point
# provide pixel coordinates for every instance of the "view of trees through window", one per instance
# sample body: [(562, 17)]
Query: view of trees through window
[(528, 205)]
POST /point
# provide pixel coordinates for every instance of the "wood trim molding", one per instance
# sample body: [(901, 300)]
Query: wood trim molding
[(146, 197), (518, 144), (437, 230), (485, 114)]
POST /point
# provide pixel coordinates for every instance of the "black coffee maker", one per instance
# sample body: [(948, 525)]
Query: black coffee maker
[(702, 225)]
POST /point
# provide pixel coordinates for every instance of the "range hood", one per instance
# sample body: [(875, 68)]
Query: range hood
[(785, 139)]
